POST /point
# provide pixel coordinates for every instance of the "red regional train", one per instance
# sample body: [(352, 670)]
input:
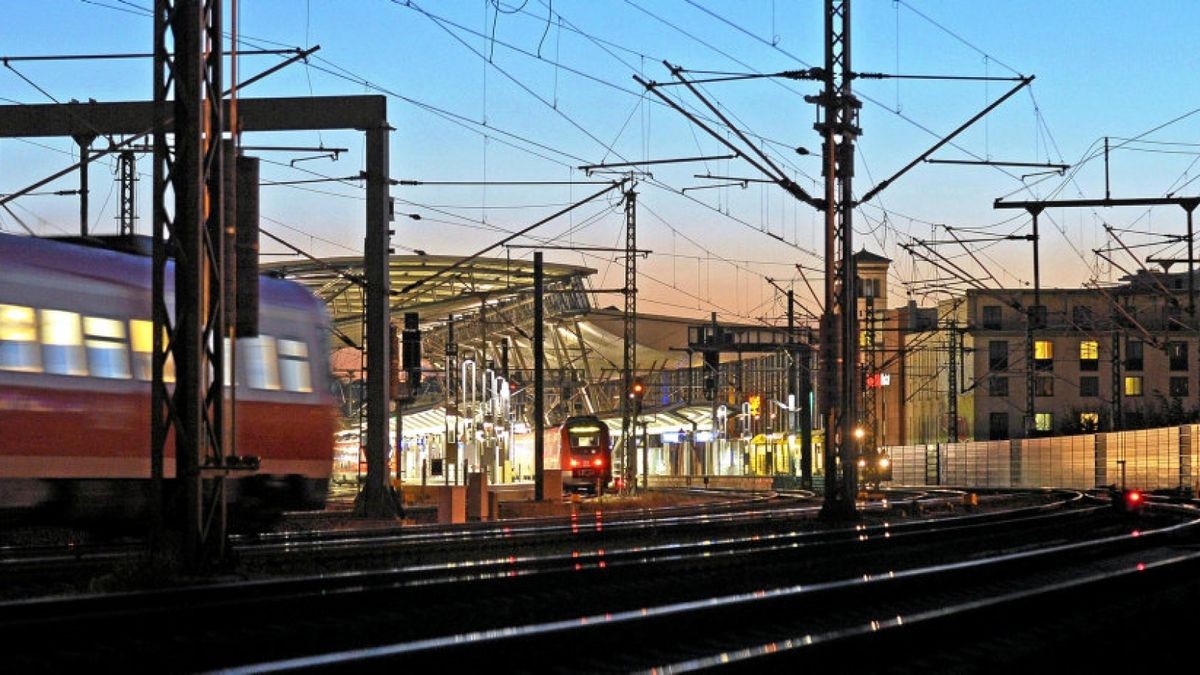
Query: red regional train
[(585, 453), (75, 368)]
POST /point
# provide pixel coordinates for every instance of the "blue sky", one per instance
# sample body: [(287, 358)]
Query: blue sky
[(485, 91)]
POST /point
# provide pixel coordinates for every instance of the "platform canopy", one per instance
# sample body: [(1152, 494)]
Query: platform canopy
[(462, 289)]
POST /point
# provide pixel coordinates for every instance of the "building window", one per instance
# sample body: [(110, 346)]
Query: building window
[(997, 386), (991, 317), (1089, 421), (1037, 316), (869, 288), (1089, 355), (1178, 355), (997, 355), (1043, 422), (1082, 318), (1044, 385), (1089, 386), (107, 349), (18, 339), (1043, 355), (1133, 385), (1179, 387), (1133, 354), (62, 343), (998, 426)]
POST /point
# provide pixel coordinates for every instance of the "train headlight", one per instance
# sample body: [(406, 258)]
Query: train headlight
[(574, 463), (862, 463), (598, 462)]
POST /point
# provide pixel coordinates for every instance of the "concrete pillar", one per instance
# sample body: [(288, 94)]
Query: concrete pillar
[(477, 496)]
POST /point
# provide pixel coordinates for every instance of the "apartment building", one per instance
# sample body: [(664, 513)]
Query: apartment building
[(1057, 362)]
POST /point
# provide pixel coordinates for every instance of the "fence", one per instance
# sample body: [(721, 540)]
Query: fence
[(1150, 459)]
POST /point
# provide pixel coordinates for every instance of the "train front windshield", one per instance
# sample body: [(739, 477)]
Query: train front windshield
[(586, 439)]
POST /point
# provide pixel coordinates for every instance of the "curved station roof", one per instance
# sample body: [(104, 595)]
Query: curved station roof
[(435, 286)]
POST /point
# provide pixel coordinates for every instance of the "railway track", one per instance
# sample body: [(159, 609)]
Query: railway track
[(56, 567), (415, 610)]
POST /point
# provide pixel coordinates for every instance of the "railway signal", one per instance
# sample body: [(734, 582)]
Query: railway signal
[(1128, 501)]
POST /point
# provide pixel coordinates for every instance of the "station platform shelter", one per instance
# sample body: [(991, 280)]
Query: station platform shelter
[(471, 410)]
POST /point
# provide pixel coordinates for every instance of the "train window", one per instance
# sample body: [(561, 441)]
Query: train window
[(294, 369), (141, 334), (18, 339), (62, 343), (260, 362), (107, 349)]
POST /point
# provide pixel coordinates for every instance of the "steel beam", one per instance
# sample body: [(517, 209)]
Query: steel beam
[(137, 117)]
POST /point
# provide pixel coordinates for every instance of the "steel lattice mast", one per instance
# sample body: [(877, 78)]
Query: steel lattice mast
[(629, 360), (839, 329), (192, 411)]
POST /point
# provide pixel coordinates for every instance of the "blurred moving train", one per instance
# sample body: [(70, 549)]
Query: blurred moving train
[(584, 449), (75, 368)]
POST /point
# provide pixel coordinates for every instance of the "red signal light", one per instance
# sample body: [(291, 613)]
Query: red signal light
[(1129, 501)]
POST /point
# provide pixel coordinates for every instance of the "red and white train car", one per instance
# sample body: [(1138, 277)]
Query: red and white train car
[(75, 369)]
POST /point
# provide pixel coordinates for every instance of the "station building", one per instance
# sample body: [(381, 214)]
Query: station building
[(728, 414)]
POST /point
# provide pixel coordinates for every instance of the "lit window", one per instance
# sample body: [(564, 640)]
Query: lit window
[(1089, 350), (108, 355), (1089, 421), (62, 343), (18, 339), (1043, 421), (141, 337), (260, 362), (1133, 385), (1043, 350), (294, 369)]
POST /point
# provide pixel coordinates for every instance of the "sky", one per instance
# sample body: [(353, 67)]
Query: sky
[(530, 90)]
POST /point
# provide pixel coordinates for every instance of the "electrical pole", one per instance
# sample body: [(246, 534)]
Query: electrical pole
[(793, 355), (839, 362), (952, 384), (539, 377), (193, 407), (629, 360), (1115, 361), (127, 176)]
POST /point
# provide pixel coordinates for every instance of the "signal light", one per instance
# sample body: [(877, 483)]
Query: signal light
[(1128, 501), (637, 390), (1134, 501)]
